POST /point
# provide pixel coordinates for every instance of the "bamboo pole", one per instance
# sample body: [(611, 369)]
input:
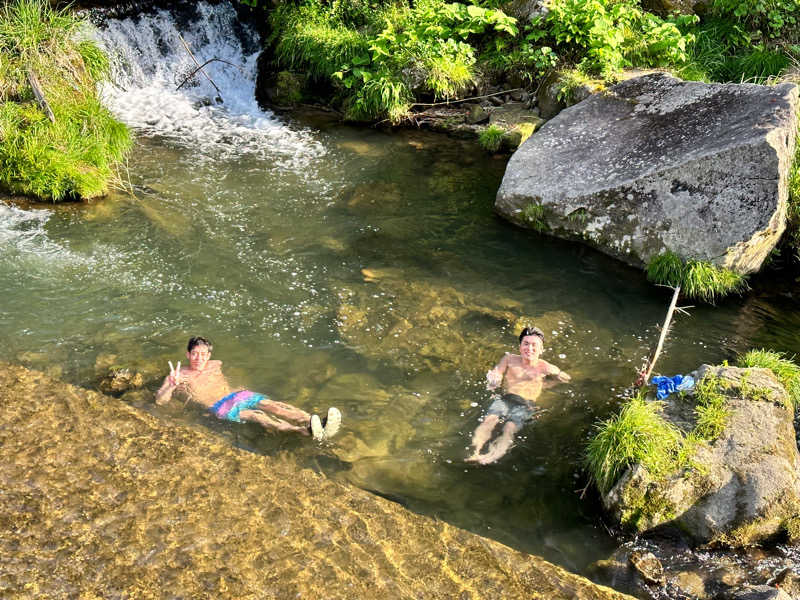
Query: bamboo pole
[(647, 370)]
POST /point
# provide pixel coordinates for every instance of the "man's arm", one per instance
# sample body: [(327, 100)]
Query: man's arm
[(494, 378), (554, 371), (164, 393)]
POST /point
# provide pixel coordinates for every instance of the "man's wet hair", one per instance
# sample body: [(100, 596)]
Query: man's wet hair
[(531, 331), (198, 341)]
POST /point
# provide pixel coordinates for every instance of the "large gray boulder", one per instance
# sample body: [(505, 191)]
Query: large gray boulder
[(745, 486), (655, 163)]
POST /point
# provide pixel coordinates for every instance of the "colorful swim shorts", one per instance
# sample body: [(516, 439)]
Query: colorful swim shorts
[(231, 405)]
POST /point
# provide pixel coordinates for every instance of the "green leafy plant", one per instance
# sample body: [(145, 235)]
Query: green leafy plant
[(772, 18)]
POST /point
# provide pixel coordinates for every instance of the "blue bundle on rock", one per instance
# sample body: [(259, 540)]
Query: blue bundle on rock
[(669, 385)]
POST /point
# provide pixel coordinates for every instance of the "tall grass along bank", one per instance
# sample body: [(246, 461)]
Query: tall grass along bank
[(64, 144)]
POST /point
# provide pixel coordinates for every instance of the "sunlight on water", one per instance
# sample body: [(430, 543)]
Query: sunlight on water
[(347, 267)]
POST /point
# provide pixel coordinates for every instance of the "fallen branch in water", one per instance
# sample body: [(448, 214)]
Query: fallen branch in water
[(200, 68)]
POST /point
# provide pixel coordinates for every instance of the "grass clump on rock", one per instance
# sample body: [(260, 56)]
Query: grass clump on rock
[(75, 154), (710, 410), (491, 138), (696, 278), (787, 371), (638, 434)]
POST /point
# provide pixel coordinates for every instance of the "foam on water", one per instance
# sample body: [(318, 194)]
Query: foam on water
[(149, 61), (23, 231)]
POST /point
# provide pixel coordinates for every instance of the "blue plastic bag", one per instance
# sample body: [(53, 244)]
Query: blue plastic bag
[(670, 385)]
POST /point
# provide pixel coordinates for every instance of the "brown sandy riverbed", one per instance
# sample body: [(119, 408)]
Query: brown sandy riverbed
[(98, 499)]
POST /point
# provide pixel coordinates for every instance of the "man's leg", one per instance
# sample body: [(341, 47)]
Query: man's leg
[(285, 411), (501, 445), (482, 435), (270, 423)]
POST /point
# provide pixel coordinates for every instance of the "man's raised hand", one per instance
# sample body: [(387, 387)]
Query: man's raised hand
[(174, 374)]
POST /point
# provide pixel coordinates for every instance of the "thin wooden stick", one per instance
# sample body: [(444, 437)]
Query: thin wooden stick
[(210, 60), (39, 94), (200, 67), (446, 102), (648, 369)]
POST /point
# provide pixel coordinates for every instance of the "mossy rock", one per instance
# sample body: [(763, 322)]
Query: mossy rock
[(738, 488), (289, 88)]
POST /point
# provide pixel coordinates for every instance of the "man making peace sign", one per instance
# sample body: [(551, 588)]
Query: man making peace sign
[(204, 384)]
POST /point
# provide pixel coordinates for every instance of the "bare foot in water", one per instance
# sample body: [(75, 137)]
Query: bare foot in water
[(474, 458)]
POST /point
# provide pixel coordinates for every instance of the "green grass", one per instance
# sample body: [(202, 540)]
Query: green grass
[(697, 279), (491, 138), (785, 369), (638, 434), (77, 156), (307, 39), (534, 215)]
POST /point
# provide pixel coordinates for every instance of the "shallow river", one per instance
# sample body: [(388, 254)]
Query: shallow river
[(351, 267)]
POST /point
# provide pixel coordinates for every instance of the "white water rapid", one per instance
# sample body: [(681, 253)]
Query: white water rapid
[(149, 61)]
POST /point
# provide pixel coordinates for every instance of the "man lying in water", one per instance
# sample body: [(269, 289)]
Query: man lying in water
[(204, 384), (525, 376)]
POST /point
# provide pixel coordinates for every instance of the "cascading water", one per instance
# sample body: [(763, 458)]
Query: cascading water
[(149, 62)]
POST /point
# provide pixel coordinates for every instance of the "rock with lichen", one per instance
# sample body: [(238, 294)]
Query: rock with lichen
[(740, 487), (656, 164)]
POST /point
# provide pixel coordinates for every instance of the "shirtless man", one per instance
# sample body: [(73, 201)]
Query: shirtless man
[(204, 384), (526, 375)]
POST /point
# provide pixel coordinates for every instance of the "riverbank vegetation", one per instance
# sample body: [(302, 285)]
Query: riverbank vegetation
[(377, 58), (64, 144)]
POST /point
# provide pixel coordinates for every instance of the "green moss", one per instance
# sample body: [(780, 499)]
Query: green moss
[(785, 369), (78, 154), (491, 138), (710, 409), (289, 89), (514, 138), (792, 527), (642, 510), (697, 279)]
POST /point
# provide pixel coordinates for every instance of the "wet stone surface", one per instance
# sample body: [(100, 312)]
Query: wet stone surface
[(102, 500)]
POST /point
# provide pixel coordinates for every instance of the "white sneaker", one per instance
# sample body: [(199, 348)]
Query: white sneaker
[(333, 422), (317, 432)]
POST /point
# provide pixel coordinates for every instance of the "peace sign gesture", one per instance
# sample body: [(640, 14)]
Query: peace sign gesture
[(174, 374)]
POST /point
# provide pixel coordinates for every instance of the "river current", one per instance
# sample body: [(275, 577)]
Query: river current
[(334, 265)]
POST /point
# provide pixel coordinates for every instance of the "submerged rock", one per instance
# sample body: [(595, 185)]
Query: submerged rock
[(102, 500), (744, 486), (656, 164)]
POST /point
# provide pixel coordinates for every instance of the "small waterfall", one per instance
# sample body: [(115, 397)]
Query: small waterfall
[(149, 61)]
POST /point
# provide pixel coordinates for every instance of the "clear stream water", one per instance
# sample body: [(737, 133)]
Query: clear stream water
[(344, 266)]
